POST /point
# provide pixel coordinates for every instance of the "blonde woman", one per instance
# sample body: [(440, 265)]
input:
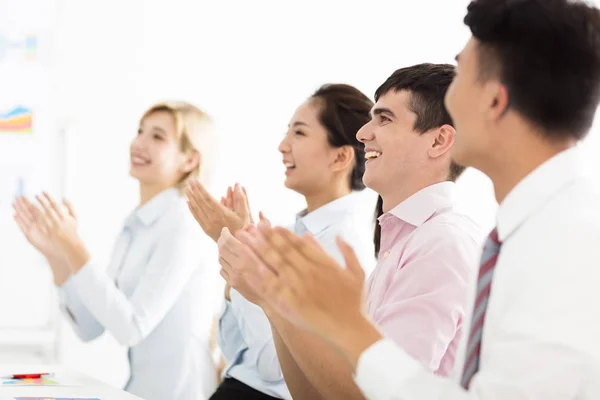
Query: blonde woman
[(153, 296)]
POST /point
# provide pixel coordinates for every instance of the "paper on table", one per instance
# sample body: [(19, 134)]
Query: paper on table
[(43, 381)]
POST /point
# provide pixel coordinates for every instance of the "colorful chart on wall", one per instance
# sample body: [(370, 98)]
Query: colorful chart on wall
[(17, 120)]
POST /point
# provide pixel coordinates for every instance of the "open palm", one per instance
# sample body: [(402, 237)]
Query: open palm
[(29, 219)]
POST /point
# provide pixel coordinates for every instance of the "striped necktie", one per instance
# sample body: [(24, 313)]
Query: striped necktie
[(484, 284)]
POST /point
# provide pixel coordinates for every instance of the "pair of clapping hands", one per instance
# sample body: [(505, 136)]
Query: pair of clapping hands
[(51, 228), (278, 270)]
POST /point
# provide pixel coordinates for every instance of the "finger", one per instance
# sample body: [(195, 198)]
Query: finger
[(254, 247), (22, 210), (54, 205), (48, 216), (229, 245), (264, 220), (283, 242), (312, 249), (70, 208), (224, 275), (254, 270), (272, 254), (22, 223), (223, 201), (352, 263), (240, 202), (207, 202), (225, 265), (228, 199), (32, 211), (198, 212)]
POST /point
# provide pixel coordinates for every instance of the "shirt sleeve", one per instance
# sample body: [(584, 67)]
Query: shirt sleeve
[(425, 302), (258, 336), (541, 339), (83, 322), (130, 320), (230, 337)]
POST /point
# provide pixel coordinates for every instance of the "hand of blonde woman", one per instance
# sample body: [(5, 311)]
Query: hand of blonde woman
[(210, 214), (29, 218), (61, 224)]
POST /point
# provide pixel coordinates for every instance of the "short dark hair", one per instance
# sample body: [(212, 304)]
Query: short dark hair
[(344, 110), (427, 85), (547, 54)]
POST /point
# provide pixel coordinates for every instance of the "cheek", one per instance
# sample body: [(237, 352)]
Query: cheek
[(309, 153)]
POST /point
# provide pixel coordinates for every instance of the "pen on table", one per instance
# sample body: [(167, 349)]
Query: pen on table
[(27, 376)]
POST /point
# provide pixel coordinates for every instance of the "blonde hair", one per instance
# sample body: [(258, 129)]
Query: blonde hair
[(195, 132)]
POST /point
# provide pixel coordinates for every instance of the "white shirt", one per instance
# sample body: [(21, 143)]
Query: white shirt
[(154, 297), (245, 335), (541, 338)]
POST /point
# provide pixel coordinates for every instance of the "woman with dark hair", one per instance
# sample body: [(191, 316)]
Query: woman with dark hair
[(324, 162)]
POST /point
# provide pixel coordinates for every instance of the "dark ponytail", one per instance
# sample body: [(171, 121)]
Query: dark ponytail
[(377, 235), (344, 110)]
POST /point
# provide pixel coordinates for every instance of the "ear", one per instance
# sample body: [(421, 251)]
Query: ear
[(443, 139), (191, 162), (499, 103), (344, 158)]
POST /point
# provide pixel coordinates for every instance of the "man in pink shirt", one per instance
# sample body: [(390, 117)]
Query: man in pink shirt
[(418, 292)]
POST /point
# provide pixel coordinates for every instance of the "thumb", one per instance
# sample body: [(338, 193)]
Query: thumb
[(352, 263), (264, 220), (70, 209), (240, 203)]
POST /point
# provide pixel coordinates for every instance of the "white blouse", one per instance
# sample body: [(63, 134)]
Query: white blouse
[(156, 298)]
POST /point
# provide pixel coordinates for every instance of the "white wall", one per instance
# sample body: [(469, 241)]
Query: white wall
[(248, 64)]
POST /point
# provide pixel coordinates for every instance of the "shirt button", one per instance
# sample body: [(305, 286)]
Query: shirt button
[(386, 254)]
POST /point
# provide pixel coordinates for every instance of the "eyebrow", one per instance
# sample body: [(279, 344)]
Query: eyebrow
[(299, 123), (161, 130), (382, 110)]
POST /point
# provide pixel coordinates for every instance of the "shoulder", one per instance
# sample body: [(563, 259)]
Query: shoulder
[(177, 224), (449, 228)]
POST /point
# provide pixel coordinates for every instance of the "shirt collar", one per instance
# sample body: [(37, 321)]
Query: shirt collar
[(419, 207), (152, 210), (537, 188), (325, 216)]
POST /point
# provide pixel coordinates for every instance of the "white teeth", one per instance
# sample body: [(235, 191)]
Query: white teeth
[(288, 165), (139, 160), (369, 155)]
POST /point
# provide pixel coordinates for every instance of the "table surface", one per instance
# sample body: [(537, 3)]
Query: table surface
[(89, 387)]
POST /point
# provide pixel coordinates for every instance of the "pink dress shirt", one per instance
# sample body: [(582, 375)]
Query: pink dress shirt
[(417, 294)]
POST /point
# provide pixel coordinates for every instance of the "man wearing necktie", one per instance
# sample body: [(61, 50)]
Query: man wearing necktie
[(526, 91)]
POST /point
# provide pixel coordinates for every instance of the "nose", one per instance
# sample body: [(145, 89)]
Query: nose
[(284, 146), (138, 142), (365, 134)]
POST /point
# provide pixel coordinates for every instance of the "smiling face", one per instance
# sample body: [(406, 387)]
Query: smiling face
[(155, 154), (307, 155), (395, 151)]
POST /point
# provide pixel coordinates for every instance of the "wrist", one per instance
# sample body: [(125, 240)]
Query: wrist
[(354, 338), (77, 256)]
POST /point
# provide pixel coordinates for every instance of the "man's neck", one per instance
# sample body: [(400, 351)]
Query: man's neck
[(515, 163), (403, 192)]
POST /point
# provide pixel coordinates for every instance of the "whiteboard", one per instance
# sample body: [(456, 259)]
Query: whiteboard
[(29, 155)]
